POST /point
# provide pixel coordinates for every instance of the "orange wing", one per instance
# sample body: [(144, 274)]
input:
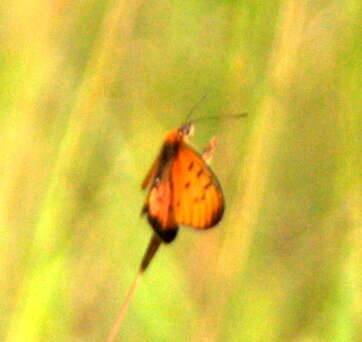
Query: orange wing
[(158, 205), (197, 200)]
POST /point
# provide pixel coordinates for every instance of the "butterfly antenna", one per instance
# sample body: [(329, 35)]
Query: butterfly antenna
[(152, 248), (236, 116), (195, 106)]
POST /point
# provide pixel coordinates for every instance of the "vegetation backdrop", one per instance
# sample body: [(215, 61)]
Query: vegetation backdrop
[(88, 91)]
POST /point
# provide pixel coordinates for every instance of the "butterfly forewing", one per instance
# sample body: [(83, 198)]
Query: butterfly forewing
[(197, 197), (159, 207)]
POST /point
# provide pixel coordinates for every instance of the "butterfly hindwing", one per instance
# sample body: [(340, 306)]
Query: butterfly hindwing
[(197, 196), (158, 204)]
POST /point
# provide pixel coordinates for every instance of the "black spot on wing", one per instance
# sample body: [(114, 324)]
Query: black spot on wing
[(207, 185), (199, 173)]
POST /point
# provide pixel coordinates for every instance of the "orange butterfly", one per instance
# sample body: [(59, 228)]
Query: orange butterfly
[(182, 191), (182, 188)]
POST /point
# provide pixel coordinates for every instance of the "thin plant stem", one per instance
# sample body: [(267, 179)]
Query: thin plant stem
[(152, 248)]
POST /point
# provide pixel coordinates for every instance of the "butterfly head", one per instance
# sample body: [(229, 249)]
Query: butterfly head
[(181, 133), (186, 130)]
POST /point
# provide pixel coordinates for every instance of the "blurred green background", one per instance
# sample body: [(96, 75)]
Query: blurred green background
[(88, 91)]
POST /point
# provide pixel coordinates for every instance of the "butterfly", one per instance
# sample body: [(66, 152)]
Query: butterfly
[(182, 189)]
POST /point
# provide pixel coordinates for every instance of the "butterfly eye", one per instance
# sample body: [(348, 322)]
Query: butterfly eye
[(186, 130)]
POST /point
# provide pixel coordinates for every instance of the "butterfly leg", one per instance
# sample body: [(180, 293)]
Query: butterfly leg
[(209, 150)]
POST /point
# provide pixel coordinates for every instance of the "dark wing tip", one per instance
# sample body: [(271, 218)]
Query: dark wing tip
[(217, 216), (166, 234)]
